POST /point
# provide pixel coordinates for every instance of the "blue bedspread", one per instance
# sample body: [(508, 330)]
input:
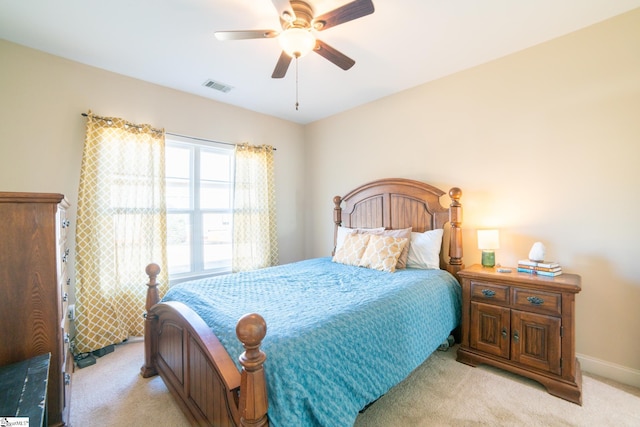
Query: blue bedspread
[(338, 337)]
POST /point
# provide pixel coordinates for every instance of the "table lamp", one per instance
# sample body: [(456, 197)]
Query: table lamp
[(488, 241)]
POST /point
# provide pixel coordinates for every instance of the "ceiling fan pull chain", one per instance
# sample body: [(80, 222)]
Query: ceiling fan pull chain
[(297, 83)]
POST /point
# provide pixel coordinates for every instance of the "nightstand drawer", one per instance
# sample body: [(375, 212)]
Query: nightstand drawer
[(538, 301), (481, 291)]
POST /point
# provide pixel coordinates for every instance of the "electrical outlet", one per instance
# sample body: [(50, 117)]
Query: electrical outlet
[(72, 312)]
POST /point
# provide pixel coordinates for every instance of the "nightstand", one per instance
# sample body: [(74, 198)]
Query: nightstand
[(524, 324)]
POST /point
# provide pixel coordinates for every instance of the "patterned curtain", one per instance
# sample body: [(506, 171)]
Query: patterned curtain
[(121, 227), (255, 243)]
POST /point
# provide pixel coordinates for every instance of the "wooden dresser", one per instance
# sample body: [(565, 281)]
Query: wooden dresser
[(34, 282), (522, 323)]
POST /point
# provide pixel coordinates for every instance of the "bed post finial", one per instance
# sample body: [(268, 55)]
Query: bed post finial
[(153, 297), (251, 329), (455, 237), (150, 321), (337, 220)]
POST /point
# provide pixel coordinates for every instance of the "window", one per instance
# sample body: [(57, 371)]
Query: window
[(199, 201)]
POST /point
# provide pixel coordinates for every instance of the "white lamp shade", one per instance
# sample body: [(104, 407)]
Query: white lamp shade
[(488, 239), (297, 42)]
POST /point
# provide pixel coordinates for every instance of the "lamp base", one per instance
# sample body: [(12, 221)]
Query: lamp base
[(488, 258)]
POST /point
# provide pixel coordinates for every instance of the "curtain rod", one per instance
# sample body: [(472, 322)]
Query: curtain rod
[(181, 136), (134, 125), (205, 140)]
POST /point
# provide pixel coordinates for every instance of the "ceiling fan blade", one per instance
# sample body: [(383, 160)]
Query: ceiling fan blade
[(247, 34), (350, 11), (285, 11), (282, 66), (338, 58)]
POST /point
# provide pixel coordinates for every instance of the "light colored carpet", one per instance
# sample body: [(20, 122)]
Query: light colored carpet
[(441, 392)]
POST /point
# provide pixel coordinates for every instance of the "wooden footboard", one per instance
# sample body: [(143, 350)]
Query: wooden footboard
[(197, 369)]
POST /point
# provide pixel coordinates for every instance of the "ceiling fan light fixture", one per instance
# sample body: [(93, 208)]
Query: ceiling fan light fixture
[(297, 42)]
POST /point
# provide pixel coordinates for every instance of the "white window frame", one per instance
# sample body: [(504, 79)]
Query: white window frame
[(195, 212)]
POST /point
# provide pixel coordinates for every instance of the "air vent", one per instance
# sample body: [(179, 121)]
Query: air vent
[(212, 84)]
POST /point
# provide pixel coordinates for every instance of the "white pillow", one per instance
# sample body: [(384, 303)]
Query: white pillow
[(424, 251), (343, 231)]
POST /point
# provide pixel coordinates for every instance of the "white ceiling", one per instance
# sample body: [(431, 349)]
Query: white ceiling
[(404, 43)]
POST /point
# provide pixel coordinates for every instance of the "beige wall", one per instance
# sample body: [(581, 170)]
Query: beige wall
[(42, 131), (545, 145)]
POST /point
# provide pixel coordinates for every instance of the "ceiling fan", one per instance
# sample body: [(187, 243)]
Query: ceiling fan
[(296, 37)]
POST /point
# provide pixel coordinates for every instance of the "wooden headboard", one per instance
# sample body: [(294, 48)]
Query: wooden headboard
[(396, 203)]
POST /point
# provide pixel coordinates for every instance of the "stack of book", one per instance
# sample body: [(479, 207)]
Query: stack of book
[(544, 268)]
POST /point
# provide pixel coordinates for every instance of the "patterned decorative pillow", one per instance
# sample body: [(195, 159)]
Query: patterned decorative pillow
[(402, 232), (382, 252), (351, 251)]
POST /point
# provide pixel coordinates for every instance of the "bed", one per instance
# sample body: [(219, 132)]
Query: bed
[(339, 336)]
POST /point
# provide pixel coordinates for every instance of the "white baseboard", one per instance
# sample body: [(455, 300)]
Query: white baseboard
[(619, 373)]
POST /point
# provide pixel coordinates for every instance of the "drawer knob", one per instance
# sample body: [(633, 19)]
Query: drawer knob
[(488, 293), (516, 336), (504, 332), (535, 300)]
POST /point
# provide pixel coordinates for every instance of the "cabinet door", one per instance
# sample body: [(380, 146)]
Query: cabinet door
[(536, 341), (489, 329)]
